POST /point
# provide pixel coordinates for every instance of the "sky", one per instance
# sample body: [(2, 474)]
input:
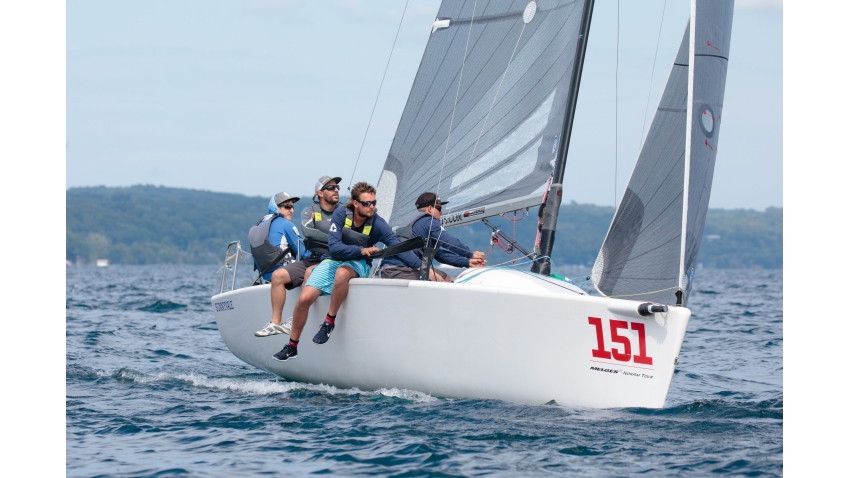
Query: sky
[(259, 96)]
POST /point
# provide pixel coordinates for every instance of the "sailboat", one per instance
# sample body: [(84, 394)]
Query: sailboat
[(487, 125)]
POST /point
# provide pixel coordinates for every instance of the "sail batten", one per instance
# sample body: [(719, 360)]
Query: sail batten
[(518, 73), (652, 244)]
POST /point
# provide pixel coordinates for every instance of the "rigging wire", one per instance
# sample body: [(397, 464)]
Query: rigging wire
[(651, 76), (378, 96), (457, 93), (616, 107)]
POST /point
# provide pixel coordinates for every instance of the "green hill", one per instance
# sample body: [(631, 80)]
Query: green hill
[(160, 225)]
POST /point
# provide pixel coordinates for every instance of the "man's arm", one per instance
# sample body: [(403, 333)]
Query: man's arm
[(386, 236), (449, 242), (292, 237)]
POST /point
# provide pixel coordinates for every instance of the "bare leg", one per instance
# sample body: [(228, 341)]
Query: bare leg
[(340, 289), (307, 273), (309, 294), (280, 278)]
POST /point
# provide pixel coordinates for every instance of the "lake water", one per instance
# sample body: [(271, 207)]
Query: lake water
[(151, 390)]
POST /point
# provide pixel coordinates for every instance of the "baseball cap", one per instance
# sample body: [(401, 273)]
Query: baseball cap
[(325, 180), (428, 199), (283, 197)]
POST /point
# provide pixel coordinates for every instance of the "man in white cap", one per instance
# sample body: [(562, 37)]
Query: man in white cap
[(315, 220)]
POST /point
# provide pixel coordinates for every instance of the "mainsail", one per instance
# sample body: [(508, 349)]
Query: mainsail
[(652, 245), (482, 122)]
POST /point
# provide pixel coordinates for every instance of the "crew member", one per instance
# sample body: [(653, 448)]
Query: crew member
[(274, 240), (315, 220), (352, 235), (449, 250)]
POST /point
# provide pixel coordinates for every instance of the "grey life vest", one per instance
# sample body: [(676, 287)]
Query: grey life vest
[(350, 237), (405, 233), (266, 254), (316, 237)]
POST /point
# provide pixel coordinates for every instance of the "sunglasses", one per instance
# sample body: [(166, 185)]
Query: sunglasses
[(368, 203), (439, 207), (334, 187), (286, 206)]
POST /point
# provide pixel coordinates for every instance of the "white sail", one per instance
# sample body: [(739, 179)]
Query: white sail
[(651, 248)]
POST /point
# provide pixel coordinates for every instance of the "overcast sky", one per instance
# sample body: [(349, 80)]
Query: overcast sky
[(259, 96)]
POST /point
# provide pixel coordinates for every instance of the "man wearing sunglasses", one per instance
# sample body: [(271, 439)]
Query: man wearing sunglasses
[(449, 250), (354, 231), (315, 221), (275, 236)]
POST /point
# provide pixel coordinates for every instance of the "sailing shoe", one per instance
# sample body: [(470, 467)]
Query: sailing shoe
[(323, 334), (288, 352), (271, 329), (287, 327)]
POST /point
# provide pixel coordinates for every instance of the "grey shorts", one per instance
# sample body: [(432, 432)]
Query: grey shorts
[(297, 271), (404, 272)]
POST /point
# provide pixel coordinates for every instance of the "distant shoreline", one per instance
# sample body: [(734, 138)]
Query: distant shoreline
[(147, 224)]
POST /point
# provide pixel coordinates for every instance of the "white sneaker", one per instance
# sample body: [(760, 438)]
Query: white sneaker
[(287, 327), (270, 329)]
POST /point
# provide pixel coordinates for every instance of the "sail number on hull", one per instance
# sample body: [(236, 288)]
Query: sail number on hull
[(626, 354)]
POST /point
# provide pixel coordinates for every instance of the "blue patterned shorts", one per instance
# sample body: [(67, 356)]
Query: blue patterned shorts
[(323, 275)]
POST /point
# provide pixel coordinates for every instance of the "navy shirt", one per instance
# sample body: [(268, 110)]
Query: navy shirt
[(381, 232), (450, 251)]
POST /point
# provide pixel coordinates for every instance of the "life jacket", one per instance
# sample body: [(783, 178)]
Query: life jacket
[(350, 237), (316, 237), (405, 233), (266, 255)]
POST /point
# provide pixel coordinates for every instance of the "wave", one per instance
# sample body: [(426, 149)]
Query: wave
[(772, 409), (162, 306), (248, 386)]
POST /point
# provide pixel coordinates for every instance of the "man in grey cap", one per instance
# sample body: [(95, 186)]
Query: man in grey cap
[(315, 221), (281, 239)]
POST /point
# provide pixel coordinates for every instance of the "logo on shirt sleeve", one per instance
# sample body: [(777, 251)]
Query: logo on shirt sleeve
[(333, 227)]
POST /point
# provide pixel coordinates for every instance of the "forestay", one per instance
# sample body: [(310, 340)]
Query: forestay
[(652, 245), (482, 121)]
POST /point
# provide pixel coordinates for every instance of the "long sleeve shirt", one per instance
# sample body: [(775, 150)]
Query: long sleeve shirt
[(450, 250), (381, 232)]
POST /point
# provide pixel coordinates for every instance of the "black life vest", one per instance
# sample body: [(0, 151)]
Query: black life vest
[(266, 255), (316, 237), (350, 237)]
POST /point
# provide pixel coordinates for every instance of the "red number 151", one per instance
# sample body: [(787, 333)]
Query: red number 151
[(626, 354)]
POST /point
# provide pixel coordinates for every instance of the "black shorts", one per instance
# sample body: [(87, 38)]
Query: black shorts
[(297, 271)]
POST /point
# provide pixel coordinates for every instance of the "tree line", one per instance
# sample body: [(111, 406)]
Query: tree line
[(160, 225)]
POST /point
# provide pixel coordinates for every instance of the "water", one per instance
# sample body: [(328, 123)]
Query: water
[(153, 391)]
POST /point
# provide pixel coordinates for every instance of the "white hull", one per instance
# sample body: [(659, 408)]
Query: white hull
[(530, 342)]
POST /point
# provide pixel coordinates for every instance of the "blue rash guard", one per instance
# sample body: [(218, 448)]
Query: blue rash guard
[(450, 251), (282, 233), (381, 232)]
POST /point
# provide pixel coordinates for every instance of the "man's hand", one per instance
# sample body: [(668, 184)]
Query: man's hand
[(474, 262), (368, 251), (478, 255)]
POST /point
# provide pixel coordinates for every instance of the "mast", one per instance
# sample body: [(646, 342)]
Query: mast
[(549, 210)]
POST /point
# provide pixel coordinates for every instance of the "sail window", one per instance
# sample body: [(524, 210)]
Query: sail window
[(516, 169), (508, 146)]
